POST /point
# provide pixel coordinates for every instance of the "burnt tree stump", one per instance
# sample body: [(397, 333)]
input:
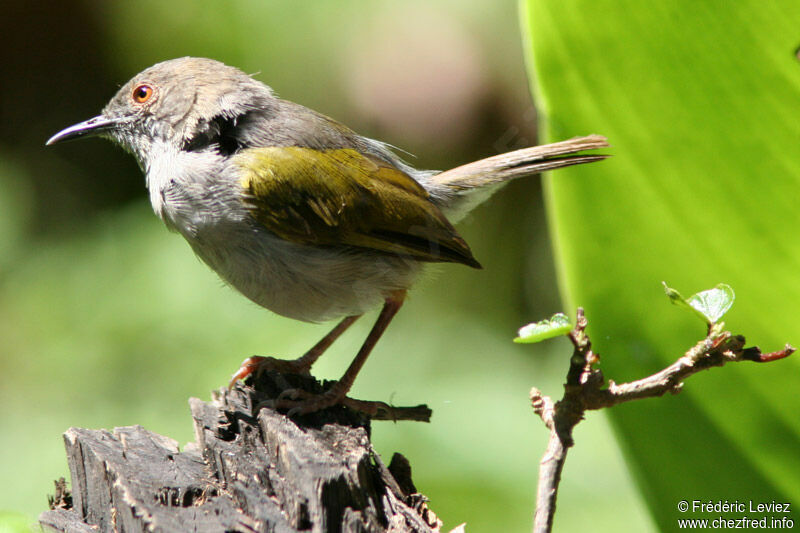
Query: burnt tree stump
[(251, 469)]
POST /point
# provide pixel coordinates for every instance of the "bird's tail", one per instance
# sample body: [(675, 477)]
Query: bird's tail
[(460, 189), (519, 163)]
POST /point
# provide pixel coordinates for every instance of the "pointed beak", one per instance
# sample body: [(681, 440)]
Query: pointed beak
[(93, 126)]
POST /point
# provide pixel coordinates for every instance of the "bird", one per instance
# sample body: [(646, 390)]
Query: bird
[(294, 210)]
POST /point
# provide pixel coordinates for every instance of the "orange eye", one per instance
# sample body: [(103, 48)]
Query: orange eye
[(142, 93)]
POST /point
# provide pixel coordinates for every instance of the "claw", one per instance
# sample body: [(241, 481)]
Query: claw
[(258, 364), (305, 403), (247, 367)]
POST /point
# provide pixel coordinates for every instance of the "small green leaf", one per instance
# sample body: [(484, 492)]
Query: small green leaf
[(558, 324), (710, 305), (713, 303)]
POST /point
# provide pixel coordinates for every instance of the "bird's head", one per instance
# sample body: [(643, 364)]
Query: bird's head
[(188, 103)]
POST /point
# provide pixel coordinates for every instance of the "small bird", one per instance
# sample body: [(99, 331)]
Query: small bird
[(296, 211)]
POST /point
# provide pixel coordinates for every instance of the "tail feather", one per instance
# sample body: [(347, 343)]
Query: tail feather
[(519, 163), (459, 190)]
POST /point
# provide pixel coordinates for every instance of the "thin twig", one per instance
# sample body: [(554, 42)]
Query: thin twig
[(384, 411), (586, 389)]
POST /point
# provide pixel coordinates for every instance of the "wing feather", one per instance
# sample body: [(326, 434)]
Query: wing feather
[(343, 197)]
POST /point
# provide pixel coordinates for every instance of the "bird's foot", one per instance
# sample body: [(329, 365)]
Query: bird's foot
[(257, 364), (301, 402)]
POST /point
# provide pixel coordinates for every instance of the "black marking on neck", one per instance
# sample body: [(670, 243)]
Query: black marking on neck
[(222, 133)]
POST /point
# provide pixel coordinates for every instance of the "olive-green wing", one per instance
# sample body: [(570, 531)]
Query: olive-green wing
[(342, 197)]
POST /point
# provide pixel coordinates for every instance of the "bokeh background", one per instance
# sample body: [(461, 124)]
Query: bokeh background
[(107, 320)]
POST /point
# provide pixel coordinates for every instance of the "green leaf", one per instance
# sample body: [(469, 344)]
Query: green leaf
[(556, 325), (713, 303), (709, 305), (703, 186)]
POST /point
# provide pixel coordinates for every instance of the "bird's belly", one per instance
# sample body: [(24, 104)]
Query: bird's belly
[(299, 281)]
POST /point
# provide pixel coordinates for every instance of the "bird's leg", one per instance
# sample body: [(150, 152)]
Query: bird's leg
[(308, 403), (257, 364)]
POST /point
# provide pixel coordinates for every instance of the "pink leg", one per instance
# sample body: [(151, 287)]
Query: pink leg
[(338, 392), (301, 365)]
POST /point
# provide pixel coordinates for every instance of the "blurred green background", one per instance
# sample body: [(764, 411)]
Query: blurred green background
[(106, 319)]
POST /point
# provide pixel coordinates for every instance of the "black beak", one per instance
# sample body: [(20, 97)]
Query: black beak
[(93, 126)]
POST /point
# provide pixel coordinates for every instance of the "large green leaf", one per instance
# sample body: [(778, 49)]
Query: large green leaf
[(701, 102)]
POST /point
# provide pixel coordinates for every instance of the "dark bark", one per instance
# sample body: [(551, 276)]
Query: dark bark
[(251, 469)]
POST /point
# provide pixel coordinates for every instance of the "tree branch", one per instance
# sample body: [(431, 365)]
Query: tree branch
[(586, 389)]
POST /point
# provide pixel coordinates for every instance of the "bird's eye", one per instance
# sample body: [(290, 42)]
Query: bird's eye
[(142, 93)]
